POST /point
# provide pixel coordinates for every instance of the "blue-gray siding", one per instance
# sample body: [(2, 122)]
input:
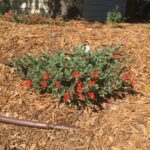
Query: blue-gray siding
[(97, 9), (91, 9)]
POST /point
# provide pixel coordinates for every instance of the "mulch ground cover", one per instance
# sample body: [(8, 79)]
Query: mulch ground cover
[(122, 124)]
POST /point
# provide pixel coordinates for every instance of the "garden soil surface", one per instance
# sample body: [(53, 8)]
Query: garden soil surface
[(122, 124)]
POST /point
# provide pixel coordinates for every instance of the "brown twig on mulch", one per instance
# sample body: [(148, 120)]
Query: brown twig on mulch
[(33, 124)]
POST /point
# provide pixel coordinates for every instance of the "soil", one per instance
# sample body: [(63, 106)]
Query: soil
[(122, 124)]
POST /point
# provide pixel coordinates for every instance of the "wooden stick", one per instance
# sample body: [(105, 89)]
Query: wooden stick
[(33, 124), (69, 67)]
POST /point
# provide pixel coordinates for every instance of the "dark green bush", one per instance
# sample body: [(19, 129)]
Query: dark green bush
[(4, 6)]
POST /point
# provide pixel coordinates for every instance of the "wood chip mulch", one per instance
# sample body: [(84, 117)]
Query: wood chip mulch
[(121, 125)]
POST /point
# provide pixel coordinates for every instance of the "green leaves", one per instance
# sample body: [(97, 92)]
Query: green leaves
[(114, 16), (30, 19), (82, 78)]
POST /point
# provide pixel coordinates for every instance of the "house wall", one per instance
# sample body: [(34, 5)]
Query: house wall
[(97, 9), (90, 9), (30, 6), (52, 8)]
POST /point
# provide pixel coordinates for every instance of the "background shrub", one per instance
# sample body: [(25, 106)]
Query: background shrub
[(81, 78), (114, 16), (32, 19), (26, 19), (4, 6)]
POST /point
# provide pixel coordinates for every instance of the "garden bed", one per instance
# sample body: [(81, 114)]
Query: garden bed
[(121, 124)]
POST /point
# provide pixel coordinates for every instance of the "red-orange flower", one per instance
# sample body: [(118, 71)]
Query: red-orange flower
[(79, 83), (45, 76), (81, 97), (21, 85), (91, 83), (126, 76), (75, 74), (95, 74), (91, 95), (37, 17), (66, 96), (79, 89), (44, 84), (57, 84), (28, 82), (116, 56), (31, 20), (132, 84), (9, 15)]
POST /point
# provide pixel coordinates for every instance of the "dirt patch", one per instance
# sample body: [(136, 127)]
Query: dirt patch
[(124, 125)]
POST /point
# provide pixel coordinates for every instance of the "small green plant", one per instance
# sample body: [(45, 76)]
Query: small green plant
[(82, 78), (114, 16)]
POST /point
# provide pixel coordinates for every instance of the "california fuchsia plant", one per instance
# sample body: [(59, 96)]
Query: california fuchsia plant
[(27, 19), (32, 19), (80, 78)]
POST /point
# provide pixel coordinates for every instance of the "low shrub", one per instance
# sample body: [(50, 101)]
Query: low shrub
[(114, 16), (32, 19), (81, 78), (26, 19)]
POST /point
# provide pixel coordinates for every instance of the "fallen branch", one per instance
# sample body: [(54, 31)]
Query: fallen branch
[(33, 124)]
